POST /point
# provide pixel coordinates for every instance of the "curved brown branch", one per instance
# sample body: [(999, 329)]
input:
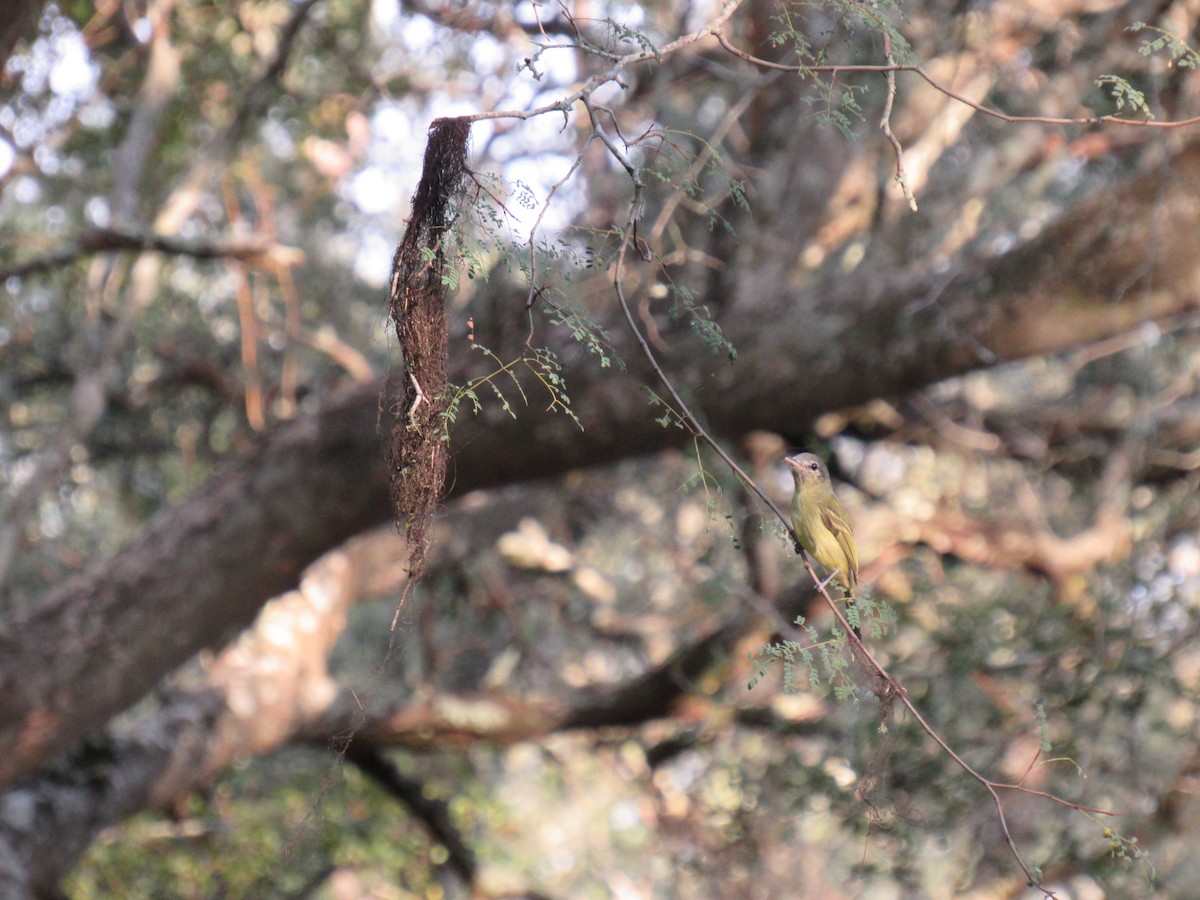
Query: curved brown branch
[(253, 251), (885, 125), (432, 811)]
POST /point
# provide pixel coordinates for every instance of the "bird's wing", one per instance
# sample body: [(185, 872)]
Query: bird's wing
[(835, 521)]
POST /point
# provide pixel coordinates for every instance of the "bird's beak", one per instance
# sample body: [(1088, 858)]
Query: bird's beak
[(792, 464)]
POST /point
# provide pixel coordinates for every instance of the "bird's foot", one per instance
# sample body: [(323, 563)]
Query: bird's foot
[(824, 584)]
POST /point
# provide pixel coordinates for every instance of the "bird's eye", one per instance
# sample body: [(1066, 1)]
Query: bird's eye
[(813, 466)]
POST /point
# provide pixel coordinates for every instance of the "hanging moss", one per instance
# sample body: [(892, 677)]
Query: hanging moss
[(417, 451)]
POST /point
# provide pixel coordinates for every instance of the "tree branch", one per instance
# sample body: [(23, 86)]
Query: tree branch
[(252, 250), (271, 688), (434, 813), (205, 566), (892, 68)]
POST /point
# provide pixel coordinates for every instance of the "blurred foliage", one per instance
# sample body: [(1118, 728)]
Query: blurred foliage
[(590, 580), (258, 834)]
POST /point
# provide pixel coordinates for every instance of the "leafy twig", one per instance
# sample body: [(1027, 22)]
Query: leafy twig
[(886, 686), (938, 86)]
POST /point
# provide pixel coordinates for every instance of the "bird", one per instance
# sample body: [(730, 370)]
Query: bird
[(820, 522)]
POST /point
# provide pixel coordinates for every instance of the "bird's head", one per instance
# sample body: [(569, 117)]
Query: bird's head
[(808, 469)]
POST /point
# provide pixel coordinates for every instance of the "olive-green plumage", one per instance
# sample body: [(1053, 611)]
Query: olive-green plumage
[(820, 521)]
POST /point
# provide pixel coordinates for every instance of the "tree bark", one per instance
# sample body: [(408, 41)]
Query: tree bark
[(271, 687), (203, 568)]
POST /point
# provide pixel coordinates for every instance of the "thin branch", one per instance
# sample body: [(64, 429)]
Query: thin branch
[(886, 686), (613, 72), (938, 86), (107, 240), (182, 200), (534, 290), (702, 159), (885, 125), (255, 95), (433, 812)]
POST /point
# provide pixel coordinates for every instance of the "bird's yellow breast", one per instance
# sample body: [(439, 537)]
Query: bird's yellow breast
[(822, 544)]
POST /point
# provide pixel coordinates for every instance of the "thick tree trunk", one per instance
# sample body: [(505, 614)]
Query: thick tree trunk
[(204, 567)]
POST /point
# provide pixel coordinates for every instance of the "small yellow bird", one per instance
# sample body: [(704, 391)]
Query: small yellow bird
[(820, 521)]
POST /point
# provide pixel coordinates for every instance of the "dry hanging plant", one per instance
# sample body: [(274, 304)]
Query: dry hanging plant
[(417, 452)]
